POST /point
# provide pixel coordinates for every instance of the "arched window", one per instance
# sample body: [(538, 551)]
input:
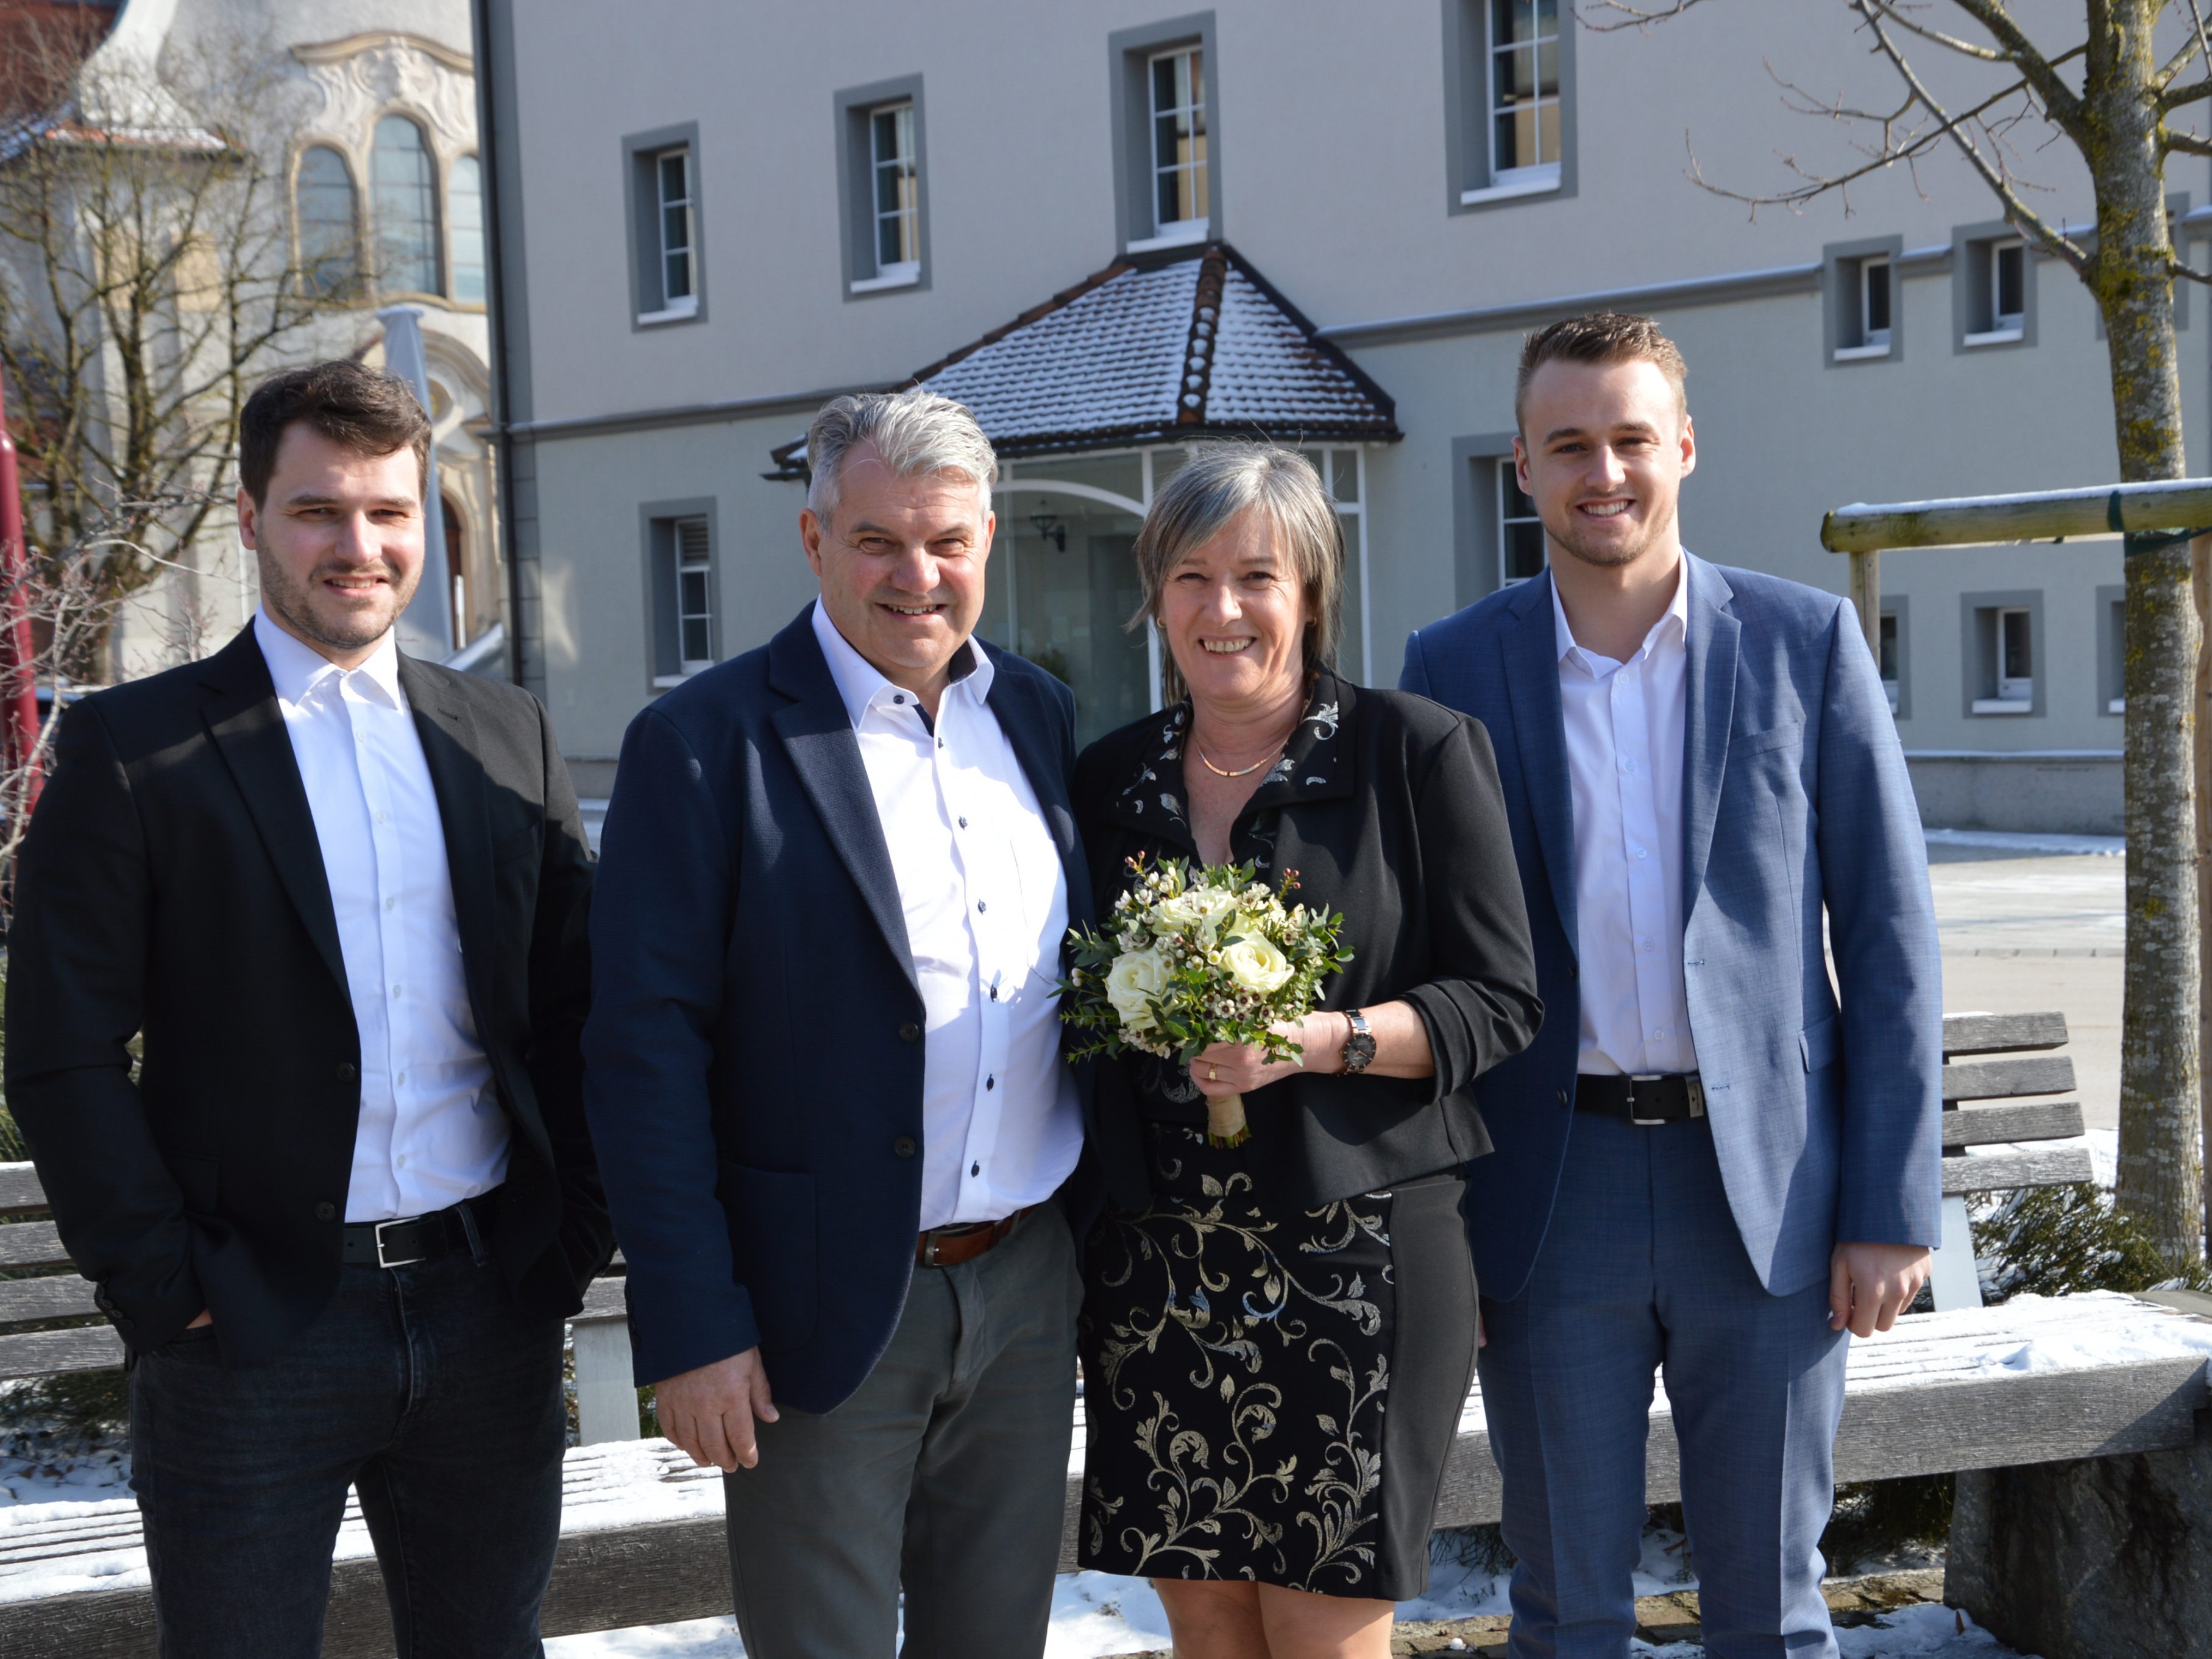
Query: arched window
[(405, 191), (322, 205), (465, 217)]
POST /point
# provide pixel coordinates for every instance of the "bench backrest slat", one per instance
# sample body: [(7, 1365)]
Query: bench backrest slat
[(1999, 1080), (1994, 1126), (58, 1296), (32, 1245), (2002, 1033)]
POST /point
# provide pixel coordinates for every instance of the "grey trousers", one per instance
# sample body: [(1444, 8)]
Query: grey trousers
[(946, 1473)]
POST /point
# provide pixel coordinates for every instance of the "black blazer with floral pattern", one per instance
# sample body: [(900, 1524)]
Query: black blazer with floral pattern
[(1389, 808)]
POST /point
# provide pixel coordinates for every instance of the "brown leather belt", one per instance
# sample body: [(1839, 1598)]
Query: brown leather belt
[(948, 1247)]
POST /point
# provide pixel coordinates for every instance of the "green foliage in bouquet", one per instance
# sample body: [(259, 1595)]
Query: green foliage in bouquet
[(1190, 959)]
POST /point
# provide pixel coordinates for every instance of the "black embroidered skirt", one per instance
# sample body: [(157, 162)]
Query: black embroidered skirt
[(1270, 1391)]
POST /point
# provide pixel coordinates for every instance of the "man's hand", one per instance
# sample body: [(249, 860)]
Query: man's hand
[(1870, 1285), (710, 1412), (207, 1317)]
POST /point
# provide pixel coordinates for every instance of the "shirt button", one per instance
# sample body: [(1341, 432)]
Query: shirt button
[(379, 817), (981, 904), (990, 1083), (994, 993), (1643, 944), (899, 699), (327, 1211), (903, 1147), (909, 1032), (963, 823), (347, 1070), (974, 1169), (399, 1082), (1639, 852), (395, 990), (391, 903)]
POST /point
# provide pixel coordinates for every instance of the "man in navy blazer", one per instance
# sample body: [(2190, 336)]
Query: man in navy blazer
[(824, 1075), (1720, 1166)]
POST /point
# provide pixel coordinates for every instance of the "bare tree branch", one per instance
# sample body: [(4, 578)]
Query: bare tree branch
[(2061, 102), (1640, 18), (2168, 99)]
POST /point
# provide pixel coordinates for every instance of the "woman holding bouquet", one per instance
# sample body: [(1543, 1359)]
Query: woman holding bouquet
[(1252, 1309)]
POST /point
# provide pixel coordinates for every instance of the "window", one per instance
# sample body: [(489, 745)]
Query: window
[(327, 217), (1178, 127), (662, 171), (1892, 654), (1167, 154), (2004, 640), (1509, 79), (1992, 279), (404, 194), (464, 218), (1520, 532), (1525, 105), (1342, 472), (881, 168), (2112, 650), (679, 540), (2008, 285), (1863, 303)]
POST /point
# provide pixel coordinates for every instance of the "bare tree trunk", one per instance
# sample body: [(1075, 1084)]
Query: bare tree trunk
[(2161, 1108), (2200, 567)]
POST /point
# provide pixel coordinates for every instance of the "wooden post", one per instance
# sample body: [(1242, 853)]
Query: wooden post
[(2200, 563), (1866, 594)]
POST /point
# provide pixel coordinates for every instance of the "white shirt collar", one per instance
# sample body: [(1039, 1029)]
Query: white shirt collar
[(1676, 617), (298, 669), (862, 685)]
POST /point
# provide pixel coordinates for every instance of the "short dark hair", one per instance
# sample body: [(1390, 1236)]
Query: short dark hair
[(1600, 337), (353, 407)]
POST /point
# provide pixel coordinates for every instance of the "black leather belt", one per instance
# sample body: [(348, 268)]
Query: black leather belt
[(419, 1237), (1671, 1098)]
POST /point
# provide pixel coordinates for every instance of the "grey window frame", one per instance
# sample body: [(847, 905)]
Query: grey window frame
[(1973, 258), (2111, 658), (1896, 605), (1468, 184), (664, 645), (1978, 648), (856, 186), (641, 153), (1841, 265), (1129, 55), (1478, 549)]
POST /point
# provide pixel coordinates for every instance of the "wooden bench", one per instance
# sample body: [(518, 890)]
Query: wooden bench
[(642, 1539)]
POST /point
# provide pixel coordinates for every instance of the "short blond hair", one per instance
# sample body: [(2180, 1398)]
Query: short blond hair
[(1219, 483), (1600, 337)]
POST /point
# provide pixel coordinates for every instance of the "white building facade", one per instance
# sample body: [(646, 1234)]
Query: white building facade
[(707, 222)]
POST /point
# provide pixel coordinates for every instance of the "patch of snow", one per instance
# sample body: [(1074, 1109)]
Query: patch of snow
[(2096, 846)]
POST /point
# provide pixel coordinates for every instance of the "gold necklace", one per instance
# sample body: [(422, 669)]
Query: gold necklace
[(1242, 771)]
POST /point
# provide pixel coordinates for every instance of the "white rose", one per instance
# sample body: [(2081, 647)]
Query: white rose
[(1253, 961), (1136, 977)]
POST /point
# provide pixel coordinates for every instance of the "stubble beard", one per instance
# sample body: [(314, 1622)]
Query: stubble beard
[(1603, 555), (290, 601)]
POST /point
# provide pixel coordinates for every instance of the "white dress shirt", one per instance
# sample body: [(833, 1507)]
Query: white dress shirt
[(1625, 730), (432, 1132), (986, 905)]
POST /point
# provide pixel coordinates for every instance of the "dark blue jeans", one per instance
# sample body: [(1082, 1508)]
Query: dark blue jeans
[(424, 1386)]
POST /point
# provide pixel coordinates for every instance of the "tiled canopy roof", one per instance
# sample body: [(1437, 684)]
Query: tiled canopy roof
[(1194, 345)]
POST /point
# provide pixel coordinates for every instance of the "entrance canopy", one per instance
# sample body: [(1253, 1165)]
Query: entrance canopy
[(1193, 345)]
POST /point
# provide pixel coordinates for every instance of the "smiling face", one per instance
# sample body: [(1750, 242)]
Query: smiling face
[(339, 537), (1604, 447), (1235, 614), (901, 564)]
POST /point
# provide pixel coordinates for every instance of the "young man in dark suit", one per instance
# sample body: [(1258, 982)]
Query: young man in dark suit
[(340, 1210)]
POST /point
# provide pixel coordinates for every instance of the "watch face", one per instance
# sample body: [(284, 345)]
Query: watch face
[(1359, 1051)]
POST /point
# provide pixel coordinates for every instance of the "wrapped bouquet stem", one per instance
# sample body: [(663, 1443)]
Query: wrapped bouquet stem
[(1190, 958)]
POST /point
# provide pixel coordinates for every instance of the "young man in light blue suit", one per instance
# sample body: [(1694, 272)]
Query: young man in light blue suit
[(1710, 1161)]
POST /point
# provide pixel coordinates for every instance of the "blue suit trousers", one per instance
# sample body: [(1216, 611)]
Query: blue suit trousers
[(1643, 1270)]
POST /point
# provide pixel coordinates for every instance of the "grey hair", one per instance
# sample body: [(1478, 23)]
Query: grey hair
[(1220, 483), (916, 432)]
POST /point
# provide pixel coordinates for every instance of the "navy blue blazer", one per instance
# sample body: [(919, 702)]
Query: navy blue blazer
[(753, 1060), (1796, 804)]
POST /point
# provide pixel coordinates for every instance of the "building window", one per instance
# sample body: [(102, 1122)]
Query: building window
[(686, 629), (1508, 100), (2112, 650), (404, 189), (1178, 127), (1168, 162), (464, 220), (2004, 645), (1524, 100), (1893, 652), (662, 171), (1992, 278), (1863, 307), (883, 171), (329, 223), (1520, 532), (897, 208)]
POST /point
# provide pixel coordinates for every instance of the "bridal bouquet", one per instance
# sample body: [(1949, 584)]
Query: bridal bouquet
[(1192, 958)]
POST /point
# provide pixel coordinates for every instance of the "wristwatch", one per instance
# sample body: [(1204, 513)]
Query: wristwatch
[(1359, 1047)]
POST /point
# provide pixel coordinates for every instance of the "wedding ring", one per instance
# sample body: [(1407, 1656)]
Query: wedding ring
[(1213, 1074)]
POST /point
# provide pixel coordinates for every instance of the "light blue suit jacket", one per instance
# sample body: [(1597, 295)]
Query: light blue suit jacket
[(1795, 801)]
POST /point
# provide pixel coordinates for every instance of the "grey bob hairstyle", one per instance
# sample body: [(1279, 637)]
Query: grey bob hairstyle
[(1219, 483)]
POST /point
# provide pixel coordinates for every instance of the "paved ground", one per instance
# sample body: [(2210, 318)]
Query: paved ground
[(2024, 933)]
